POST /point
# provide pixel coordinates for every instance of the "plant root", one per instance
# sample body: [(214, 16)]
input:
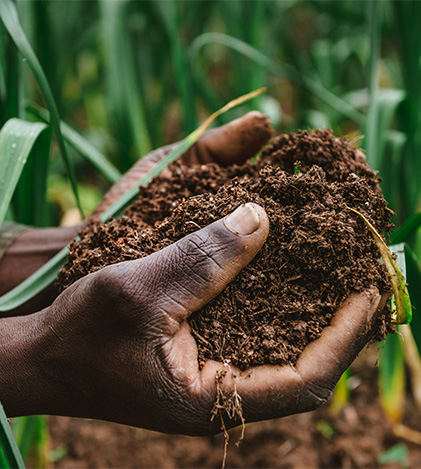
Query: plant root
[(229, 405)]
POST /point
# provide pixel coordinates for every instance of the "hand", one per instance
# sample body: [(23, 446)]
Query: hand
[(231, 143), (116, 344)]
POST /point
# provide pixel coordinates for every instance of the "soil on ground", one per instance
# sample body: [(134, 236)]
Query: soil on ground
[(316, 254)]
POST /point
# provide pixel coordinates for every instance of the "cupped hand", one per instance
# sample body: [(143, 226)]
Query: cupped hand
[(116, 345)]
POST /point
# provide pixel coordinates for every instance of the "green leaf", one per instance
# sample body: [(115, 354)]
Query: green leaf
[(171, 18), (9, 16), (375, 10), (9, 452), (48, 272), (17, 139), (397, 453), (126, 104), (341, 393), (325, 428), (392, 377), (80, 144), (377, 129), (408, 229), (413, 276), (31, 434)]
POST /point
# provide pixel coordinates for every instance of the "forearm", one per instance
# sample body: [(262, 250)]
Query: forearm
[(26, 253), (21, 386)]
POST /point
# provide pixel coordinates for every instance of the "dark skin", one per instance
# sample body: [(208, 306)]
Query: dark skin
[(116, 344)]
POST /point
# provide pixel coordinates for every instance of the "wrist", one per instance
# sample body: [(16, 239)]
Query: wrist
[(22, 387)]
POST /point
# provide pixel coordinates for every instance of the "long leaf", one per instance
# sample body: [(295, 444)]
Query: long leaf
[(17, 139), (31, 434), (30, 205), (45, 275), (392, 377), (8, 447), (413, 275), (80, 144), (407, 230), (373, 115), (171, 18), (127, 106), (10, 19)]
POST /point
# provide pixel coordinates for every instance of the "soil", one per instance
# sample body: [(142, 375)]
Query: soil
[(316, 254), (355, 438)]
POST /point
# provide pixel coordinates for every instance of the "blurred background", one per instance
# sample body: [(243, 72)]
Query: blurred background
[(129, 76)]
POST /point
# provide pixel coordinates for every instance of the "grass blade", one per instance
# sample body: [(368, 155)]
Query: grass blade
[(48, 272), (81, 145), (10, 19), (403, 311), (408, 229), (11, 458), (373, 115), (30, 205), (341, 394), (413, 275), (31, 434), (413, 360), (17, 139), (392, 377), (171, 18), (126, 103)]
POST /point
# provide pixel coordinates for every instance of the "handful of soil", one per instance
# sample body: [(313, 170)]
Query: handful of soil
[(317, 253)]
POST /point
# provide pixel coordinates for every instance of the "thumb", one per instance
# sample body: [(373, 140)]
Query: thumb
[(186, 275)]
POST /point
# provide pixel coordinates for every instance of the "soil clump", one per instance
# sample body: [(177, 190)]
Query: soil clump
[(316, 254)]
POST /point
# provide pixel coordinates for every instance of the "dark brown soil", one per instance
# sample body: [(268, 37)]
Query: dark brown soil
[(316, 254)]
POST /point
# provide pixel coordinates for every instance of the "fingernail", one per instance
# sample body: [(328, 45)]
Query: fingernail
[(374, 304), (243, 221)]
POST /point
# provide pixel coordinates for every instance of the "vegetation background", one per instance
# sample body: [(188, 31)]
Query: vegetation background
[(129, 76)]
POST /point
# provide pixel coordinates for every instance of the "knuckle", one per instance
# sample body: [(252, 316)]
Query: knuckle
[(106, 283), (116, 286), (317, 395), (198, 255)]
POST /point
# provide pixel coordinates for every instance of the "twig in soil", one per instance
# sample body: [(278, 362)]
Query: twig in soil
[(202, 339), (195, 224)]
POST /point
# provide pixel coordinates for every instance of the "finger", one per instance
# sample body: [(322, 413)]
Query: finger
[(186, 275), (234, 142)]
